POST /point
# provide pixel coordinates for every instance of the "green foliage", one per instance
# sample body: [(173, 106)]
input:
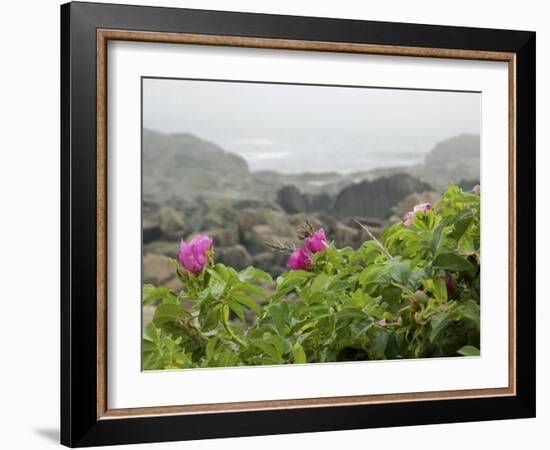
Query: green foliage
[(414, 294)]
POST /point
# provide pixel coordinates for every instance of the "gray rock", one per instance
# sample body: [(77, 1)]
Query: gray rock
[(263, 260), (256, 238), (172, 223), (224, 237), (184, 166), (278, 221), (167, 248), (151, 228), (293, 201), (463, 147), (235, 256), (376, 198), (345, 236), (157, 269)]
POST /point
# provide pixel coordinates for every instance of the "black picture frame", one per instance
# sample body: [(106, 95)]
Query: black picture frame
[(80, 425)]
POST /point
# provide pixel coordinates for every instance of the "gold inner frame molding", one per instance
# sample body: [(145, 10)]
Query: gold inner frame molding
[(105, 35)]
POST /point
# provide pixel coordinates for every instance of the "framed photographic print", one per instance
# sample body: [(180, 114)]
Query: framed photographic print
[(275, 224)]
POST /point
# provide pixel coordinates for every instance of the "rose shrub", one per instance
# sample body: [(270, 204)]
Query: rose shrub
[(412, 294)]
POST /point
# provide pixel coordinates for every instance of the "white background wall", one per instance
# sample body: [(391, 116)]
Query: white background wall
[(29, 222)]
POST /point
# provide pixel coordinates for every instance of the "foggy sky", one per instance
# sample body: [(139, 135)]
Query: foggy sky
[(286, 127)]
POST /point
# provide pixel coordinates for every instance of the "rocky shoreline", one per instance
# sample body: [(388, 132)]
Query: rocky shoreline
[(191, 186)]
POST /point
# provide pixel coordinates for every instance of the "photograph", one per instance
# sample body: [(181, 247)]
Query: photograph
[(292, 223), (271, 223)]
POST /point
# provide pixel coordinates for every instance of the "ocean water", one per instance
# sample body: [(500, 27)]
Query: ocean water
[(320, 159)]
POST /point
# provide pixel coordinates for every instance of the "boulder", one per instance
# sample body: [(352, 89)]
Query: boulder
[(172, 223), (298, 220), (167, 248), (293, 201), (150, 228), (346, 236), (377, 197), (278, 221), (256, 238), (220, 216), (157, 269), (263, 261), (223, 237), (235, 256)]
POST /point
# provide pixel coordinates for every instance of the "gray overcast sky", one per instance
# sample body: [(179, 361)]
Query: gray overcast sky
[(292, 128)]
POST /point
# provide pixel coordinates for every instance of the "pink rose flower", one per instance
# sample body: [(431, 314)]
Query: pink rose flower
[(193, 255), (299, 260), (423, 207), (477, 187), (317, 242), (408, 219)]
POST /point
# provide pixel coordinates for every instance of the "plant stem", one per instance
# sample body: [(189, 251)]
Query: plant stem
[(376, 241), (236, 338), (199, 340)]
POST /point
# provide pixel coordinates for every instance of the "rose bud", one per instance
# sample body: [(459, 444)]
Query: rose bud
[(193, 255), (423, 207), (299, 259), (408, 219), (317, 242), (420, 296)]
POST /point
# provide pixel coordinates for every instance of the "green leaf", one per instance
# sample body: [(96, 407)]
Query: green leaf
[(277, 343), (440, 289), (219, 272), (218, 289), (168, 313), (378, 341), (237, 309), (346, 315), (252, 273), (251, 289), (469, 350), (319, 283), (452, 262), (392, 295), (437, 237), (148, 346), (293, 275), (289, 280), (152, 333), (400, 272), (439, 322), (371, 274), (298, 354), (208, 318), (248, 302), (470, 310), (278, 315), (211, 347), (267, 348), (463, 219), (151, 293)]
